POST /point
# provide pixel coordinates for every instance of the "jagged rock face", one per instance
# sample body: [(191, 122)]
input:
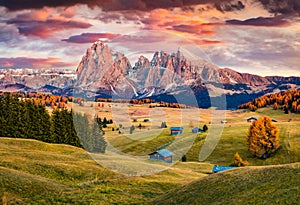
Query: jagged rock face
[(103, 69)]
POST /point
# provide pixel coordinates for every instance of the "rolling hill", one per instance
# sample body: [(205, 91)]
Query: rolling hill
[(250, 185), (33, 172)]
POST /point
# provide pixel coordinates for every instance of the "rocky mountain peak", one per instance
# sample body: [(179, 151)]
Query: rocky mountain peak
[(101, 68), (142, 62)]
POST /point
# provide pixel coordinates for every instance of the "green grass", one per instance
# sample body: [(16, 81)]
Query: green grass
[(33, 172), (233, 140), (250, 185)]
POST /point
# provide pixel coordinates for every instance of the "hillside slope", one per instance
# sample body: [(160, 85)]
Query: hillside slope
[(251, 185), (33, 172)]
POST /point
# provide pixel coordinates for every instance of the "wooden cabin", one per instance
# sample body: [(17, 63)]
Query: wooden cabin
[(252, 118), (197, 130), (162, 155), (176, 130)]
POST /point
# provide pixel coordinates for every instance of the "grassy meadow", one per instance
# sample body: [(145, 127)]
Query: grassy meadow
[(33, 172), (233, 136)]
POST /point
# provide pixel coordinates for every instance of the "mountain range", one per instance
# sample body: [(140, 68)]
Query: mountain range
[(170, 77)]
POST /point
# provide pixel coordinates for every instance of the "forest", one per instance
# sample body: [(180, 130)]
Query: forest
[(25, 118), (288, 101)]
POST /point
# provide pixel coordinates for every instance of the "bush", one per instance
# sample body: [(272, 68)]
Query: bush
[(238, 161)]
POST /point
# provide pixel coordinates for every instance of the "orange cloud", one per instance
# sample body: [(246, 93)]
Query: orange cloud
[(182, 23), (47, 21)]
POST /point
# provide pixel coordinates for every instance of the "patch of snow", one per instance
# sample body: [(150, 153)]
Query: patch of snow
[(133, 88), (151, 93), (112, 89), (232, 81)]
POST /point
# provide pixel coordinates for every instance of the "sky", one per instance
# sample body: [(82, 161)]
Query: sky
[(253, 36)]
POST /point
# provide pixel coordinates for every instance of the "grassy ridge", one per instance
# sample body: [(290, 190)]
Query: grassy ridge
[(39, 173), (251, 185)]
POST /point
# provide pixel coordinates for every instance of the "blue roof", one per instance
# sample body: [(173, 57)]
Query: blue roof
[(165, 152), (176, 128), (218, 168)]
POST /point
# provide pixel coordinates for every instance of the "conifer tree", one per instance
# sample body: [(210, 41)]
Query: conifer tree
[(132, 128), (262, 138), (99, 143), (205, 128), (83, 130)]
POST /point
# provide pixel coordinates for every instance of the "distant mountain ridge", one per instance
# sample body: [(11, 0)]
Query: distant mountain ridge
[(166, 77)]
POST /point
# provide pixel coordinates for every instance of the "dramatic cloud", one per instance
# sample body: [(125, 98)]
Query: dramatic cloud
[(274, 6), (22, 62), (121, 16), (48, 27), (235, 33), (257, 50), (106, 5), (229, 6), (194, 29), (7, 33), (282, 6), (90, 37), (260, 21)]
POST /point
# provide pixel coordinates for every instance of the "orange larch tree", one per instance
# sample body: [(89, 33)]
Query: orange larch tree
[(262, 138)]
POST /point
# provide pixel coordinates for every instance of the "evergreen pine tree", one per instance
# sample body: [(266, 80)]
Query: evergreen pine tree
[(205, 128), (132, 128), (99, 143), (83, 130)]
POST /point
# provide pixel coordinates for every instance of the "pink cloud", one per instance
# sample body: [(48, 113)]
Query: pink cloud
[(90, 37), (23, 62), (47, 28)]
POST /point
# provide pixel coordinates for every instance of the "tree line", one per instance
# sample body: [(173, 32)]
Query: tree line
[(287, 101), (21, 118), (55, 101)]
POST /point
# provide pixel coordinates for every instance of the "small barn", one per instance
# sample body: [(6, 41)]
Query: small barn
[(197, 130), (251, 119), (162, 155), (223, 121), (176, 130), (218, 168)]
